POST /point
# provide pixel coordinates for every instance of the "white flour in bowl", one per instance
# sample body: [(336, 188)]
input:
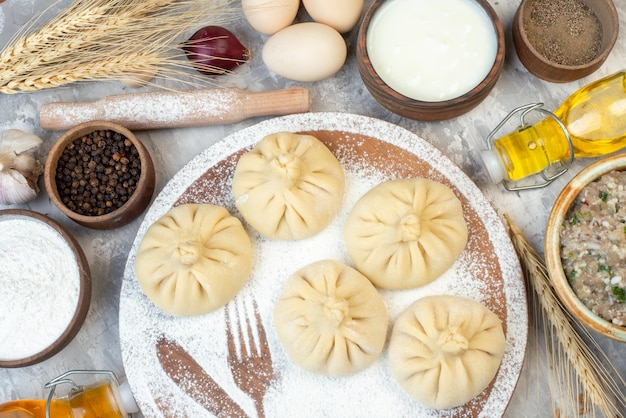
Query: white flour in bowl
[(39, 287)]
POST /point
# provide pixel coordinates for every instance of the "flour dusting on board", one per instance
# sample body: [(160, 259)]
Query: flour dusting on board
[(372, 392)]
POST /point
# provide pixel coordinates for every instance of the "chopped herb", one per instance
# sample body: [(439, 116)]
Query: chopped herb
[(604, 196), (620, 293), (602, 267), (572, 280), (571, 275), (575, 219)]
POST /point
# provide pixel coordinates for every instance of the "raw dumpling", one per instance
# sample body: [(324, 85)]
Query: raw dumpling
[(445, 350), (405, 233), (289, 186), (330, 319), (194, 259)]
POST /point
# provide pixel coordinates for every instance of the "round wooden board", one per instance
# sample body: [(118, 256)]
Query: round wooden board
[(178, 366)]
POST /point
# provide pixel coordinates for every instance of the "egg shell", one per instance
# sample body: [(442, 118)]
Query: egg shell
[(308, 51), (341, 15), (270, 16), (138, 78)]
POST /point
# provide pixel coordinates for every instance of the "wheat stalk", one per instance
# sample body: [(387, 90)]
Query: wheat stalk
[(105, 39), (585, 371), (94, 70)]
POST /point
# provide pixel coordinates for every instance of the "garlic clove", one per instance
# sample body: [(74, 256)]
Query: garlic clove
[(27, 162), (20, 167), (17, 141), (15, 189)]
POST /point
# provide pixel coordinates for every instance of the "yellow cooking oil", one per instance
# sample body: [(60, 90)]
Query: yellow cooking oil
[(97, 401), (23, 408), (595, 118)]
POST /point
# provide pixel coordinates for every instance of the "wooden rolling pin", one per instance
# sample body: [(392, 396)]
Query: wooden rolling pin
[(201, 107)]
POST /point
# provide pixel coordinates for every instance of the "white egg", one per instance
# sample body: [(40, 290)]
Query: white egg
[(138, 78), (307, 51), (270, 16), (343, 15)]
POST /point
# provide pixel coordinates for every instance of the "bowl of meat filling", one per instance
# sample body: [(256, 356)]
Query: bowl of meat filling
[(585, 246)]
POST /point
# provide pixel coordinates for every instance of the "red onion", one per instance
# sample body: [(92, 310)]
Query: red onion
[(214, 50)]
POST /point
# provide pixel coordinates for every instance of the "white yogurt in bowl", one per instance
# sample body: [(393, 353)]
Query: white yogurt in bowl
[(432, 50)]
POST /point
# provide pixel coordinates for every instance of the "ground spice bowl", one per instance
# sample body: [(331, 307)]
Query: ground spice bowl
[(552, 247), (137, 201), (545, 69), (84, 292), (425, 110)]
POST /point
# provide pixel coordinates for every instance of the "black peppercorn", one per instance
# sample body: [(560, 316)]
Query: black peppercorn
[(89, 172)]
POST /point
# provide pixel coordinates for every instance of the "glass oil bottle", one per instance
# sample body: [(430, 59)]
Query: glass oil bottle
[(105, 398), (589, 123)]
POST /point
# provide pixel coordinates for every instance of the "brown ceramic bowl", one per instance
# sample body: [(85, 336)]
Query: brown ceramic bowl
[(540, 66), (552, 247), (136, 202), (427, 110), (42, 225)]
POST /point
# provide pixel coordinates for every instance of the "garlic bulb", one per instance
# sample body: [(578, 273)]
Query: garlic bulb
[(20, 167)]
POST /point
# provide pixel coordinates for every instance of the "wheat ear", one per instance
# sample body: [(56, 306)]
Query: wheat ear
[(569, 355), (94, 70), (123, 36)]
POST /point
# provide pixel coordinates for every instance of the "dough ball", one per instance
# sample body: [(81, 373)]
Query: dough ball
[(405, 233), (330, 319), (289, 186), (445, 350), (194, 259)]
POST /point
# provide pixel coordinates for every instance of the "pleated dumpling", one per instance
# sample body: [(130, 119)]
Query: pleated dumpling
[(405, 233), (289, 186), (445, 350), (330, 319), (194, 259)]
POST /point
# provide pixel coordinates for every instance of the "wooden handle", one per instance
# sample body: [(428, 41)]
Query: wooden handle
[(202, 107)]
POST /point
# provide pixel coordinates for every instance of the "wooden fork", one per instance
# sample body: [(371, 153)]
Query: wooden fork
[(252, 367)]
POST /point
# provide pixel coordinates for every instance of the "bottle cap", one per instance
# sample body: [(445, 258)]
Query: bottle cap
[(126, 399), (493, 164)]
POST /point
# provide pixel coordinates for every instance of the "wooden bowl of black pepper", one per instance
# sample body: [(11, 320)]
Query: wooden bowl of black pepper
[(564, 40), (99, 175)]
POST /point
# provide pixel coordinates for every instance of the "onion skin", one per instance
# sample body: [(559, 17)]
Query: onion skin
[(214, 50)]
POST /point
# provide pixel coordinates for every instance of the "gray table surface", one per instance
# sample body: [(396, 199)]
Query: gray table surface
[(97, 345)]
